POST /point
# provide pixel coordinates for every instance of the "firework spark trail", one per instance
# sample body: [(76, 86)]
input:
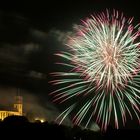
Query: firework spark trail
[(104, 63)]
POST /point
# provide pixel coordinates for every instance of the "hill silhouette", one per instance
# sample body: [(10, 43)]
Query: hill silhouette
[(19, 125)]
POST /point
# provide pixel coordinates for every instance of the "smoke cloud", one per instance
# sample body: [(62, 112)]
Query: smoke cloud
[(32, 105)]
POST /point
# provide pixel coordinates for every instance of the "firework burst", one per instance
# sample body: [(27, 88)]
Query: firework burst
[(104, 62)]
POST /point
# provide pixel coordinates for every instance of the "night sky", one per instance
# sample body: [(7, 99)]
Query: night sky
[(31, 32)]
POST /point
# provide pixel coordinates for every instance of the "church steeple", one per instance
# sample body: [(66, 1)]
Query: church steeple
[(18, 102)]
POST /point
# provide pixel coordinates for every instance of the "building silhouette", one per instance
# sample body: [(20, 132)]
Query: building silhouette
[(16, 110)]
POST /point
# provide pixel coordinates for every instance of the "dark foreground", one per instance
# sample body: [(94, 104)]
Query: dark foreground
[(20, 128)]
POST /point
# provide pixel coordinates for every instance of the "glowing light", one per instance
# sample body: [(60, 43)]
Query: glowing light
[(104, 62), (40, 119)]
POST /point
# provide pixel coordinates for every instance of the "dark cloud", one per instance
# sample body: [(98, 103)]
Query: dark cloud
[(26, 59), (27, 63)]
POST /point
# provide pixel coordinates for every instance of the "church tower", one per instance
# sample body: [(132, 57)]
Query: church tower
[(18, 105)]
